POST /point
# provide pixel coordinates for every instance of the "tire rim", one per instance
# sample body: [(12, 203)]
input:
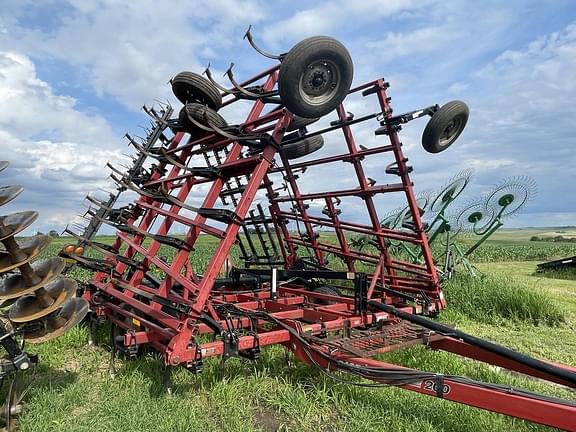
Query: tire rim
[(450, 132), (319, 82)]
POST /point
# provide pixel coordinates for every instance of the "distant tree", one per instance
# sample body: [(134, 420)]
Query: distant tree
[(54, 233)]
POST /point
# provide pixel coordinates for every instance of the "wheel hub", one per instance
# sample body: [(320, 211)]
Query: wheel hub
[(450, 131), (318, 82)]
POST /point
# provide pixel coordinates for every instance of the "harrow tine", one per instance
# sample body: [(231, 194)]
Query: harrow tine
[(248, 35), (3, 165), (97, 202), (135, 144), (220, 87)]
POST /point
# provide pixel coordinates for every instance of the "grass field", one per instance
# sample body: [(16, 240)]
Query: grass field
[(72, 390)]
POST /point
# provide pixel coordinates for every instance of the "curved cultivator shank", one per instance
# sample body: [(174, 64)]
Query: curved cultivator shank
[(285, 206)]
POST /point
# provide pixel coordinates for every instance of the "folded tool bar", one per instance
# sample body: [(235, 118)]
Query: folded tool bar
[(271, 194)]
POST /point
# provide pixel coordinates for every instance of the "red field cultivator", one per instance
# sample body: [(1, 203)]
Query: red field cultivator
[(302, 283)]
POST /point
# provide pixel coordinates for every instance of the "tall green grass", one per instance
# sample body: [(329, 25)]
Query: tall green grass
[(492, 299)]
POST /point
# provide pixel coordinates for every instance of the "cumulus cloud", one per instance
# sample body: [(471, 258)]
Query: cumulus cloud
[(516, 81), (129, 50), (56, 169)]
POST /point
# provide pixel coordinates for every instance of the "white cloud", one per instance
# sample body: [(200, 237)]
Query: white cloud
[(328, 17), (129, 50), (57, 170), (29, 107), (522, 101), (422, 40)]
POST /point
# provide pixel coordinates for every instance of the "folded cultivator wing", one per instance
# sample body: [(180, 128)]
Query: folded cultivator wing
[(303, 283)]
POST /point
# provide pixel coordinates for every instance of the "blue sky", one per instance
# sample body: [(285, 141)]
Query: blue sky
[(74, 74)]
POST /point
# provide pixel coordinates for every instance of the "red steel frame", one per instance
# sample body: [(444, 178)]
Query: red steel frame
[(124, 299)]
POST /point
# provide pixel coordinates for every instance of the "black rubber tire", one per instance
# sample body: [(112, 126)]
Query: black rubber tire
[(297, 121), (310, 56), (300, 122), (191, 87), (197, 111), (445, 126), (302, 148), (325, 289)]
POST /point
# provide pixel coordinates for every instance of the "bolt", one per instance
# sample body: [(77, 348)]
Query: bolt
[(24, 366)]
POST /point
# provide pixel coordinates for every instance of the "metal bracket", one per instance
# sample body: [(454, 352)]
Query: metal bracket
[(360, 293)]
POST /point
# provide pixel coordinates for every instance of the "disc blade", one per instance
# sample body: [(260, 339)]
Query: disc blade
[(15, 286), (6, 411), (73, 311), (12, 224), (3, 165), (31, 247), (8, 193), (7, 303), (28, 308)]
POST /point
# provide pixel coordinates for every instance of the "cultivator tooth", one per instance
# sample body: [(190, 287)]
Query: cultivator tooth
[(248, 35), (250, 94), (215, 83)]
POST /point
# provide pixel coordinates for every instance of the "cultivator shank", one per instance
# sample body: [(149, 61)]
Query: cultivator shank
[(303, 284)]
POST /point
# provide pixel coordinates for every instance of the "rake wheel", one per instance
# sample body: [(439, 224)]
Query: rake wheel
[(451, 191), (511, 195), (315, 76), (473, 217)]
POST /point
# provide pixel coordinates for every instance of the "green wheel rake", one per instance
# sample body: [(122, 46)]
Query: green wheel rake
[(481, 218)]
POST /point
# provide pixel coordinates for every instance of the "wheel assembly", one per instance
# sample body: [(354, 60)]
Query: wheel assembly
[(247, 188), (189, 87), (445, 126), (315, 76), (301, 147), (451, 191), (193, 115)]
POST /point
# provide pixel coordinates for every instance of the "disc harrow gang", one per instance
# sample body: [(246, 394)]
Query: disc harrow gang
[(38, 301), (235, 190)]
